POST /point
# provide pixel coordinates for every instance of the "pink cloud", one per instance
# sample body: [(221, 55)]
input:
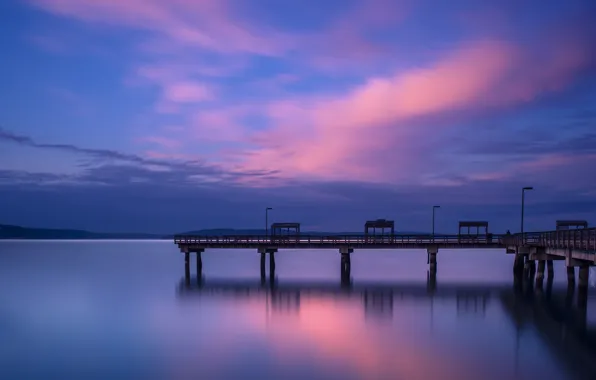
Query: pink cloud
[(177, 84), (370, 132), (338, 137), (208, 23), (348, 136), (187, 92), (219, 26)]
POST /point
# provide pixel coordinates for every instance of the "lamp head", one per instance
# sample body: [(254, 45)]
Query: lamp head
[(528, 188)]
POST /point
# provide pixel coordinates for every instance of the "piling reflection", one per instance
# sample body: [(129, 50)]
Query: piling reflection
[(558, 315)]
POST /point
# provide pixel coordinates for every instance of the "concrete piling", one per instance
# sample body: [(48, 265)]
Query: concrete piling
[(432, 259), (550, 269), (584, 276), (540, 274), (571, 275), (272, 264), (263, 274), (199, 263), (345, 264), (187, 266), (518, 265), (541, 266), (264, 251), (529, 268)]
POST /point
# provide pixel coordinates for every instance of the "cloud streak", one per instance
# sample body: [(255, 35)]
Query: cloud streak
[(105, 158)]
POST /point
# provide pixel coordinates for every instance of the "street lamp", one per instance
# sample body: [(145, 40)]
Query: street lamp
[(267, 221), (522, 209), (434, 208)]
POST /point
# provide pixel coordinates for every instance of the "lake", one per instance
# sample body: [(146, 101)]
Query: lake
[(124, 310)]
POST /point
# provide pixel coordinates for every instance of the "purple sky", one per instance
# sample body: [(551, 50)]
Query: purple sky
[(170, 115)]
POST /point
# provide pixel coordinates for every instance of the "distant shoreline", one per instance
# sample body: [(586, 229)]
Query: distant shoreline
[(81, 239), (12, 232)]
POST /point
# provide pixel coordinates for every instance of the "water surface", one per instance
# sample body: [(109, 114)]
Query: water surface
[(99, 310)]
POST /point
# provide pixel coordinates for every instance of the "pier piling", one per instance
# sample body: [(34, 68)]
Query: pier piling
[(199, 262), (541, 266), (571, 275), (432, 258), (550, 269), (518, 265), (345, 264), (584, 276)]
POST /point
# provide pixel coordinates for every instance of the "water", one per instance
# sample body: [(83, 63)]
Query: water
[(111, 310)]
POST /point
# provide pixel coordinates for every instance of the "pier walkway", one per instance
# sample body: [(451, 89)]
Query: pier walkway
[(577, 247)]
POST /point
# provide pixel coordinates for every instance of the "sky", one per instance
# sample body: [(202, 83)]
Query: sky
[(173, 115)]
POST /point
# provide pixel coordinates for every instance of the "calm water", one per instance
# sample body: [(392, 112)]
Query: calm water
[(109, 310)]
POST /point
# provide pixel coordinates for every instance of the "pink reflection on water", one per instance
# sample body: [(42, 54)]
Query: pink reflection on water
[(338, 331), (329, 334)]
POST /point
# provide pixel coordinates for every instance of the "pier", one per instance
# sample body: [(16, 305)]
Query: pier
[(534, 252)]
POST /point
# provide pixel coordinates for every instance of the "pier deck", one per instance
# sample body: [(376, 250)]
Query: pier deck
[(576, 247)]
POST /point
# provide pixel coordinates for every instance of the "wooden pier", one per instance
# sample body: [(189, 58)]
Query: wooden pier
[(576, 247)]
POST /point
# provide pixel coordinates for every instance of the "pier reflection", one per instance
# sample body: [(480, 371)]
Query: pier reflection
[(377, 298), (559, 315), (556, 314)]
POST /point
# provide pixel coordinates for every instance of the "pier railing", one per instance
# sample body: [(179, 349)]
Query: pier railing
[(341, 239), (579, 239)]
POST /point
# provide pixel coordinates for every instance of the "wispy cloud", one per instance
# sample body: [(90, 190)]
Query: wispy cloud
[(208, 24), (105, 159)]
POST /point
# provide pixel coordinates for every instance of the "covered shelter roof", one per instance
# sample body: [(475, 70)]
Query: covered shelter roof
[(473, 224), (285, 225), (379, 223), (572, 223)]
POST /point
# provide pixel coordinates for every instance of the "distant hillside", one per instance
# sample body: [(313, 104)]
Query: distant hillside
[(18, 232)]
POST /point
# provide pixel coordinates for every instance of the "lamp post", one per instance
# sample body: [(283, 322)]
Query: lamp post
[(522, 210), (434, 208), (267, 221)]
